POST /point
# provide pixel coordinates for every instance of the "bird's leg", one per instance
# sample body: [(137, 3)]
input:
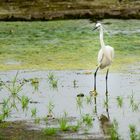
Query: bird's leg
[(94, 93), (107, 81), (95, 78)]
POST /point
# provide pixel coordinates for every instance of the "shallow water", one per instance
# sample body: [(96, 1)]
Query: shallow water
[(64, 98)]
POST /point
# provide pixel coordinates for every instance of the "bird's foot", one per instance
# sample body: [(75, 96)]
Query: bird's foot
[(93, 93)]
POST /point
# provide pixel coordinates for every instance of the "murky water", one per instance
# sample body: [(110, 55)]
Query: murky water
[(72, 83)]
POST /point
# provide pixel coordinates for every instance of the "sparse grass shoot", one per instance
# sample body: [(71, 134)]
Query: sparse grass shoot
[(113, 131), (50, 109), (79, 102), (63, 123), (87, 120), (89, 99), (133, 104), (35, 83), (133, 133), (49, 131), (33, 112), (119, 101), (24, 102), (37, 120), (52, 81)]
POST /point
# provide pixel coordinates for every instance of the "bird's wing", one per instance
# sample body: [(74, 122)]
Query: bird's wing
[(109, 53), (100, 56)]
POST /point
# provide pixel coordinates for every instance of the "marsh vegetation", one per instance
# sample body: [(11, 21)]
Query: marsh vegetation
[(47, 103), (60, 113), (69, 44)]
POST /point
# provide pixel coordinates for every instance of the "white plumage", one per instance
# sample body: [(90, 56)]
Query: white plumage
[(105, 56), (106, 53)]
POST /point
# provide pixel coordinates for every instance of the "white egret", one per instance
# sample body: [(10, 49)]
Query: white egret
[(105, 56)]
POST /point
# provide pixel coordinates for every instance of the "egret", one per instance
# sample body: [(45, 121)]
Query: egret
[(105, 57)]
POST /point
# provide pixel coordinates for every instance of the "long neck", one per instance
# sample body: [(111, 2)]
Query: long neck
[(101, 37)]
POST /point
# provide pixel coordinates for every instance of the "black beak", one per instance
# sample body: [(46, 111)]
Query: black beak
[(95, 28)]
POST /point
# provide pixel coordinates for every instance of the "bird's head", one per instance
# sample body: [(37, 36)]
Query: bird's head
[(97, 26)]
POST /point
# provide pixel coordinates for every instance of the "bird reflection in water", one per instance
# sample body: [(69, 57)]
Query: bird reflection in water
[(104, 119)]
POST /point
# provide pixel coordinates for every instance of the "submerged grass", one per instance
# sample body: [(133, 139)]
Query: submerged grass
[(52, 81), (24, 102), (49, 131), (133, 103), (133, 133), (14, 98), (69, 44), (63, 123), (35, 83), (33, 112), (50, 108), (113, 131), (119, 101)]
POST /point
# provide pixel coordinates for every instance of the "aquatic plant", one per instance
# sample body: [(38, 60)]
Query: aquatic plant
[(51, 76), (49, 131), (131, 98), (135, 107), (50, 109), (63, 126), (5, 112), (1, 83), (79, 103), (119, 101), (132, 129), (89, 99), (63, 122), (87, 120), (37, 120), (52, 80), (133, 104), (14, 89), (54, 83), (113, 131), (24, 102), (5, 102), (34, 115), (35, 83), (33, 112), (133, 133), (76, 127), (1, 118)]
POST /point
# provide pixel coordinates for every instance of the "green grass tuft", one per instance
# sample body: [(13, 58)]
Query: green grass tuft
[(49, 131), (69, 44)]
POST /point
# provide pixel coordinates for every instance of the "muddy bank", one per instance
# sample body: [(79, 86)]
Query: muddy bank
[(20, 130), (12, 10)]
